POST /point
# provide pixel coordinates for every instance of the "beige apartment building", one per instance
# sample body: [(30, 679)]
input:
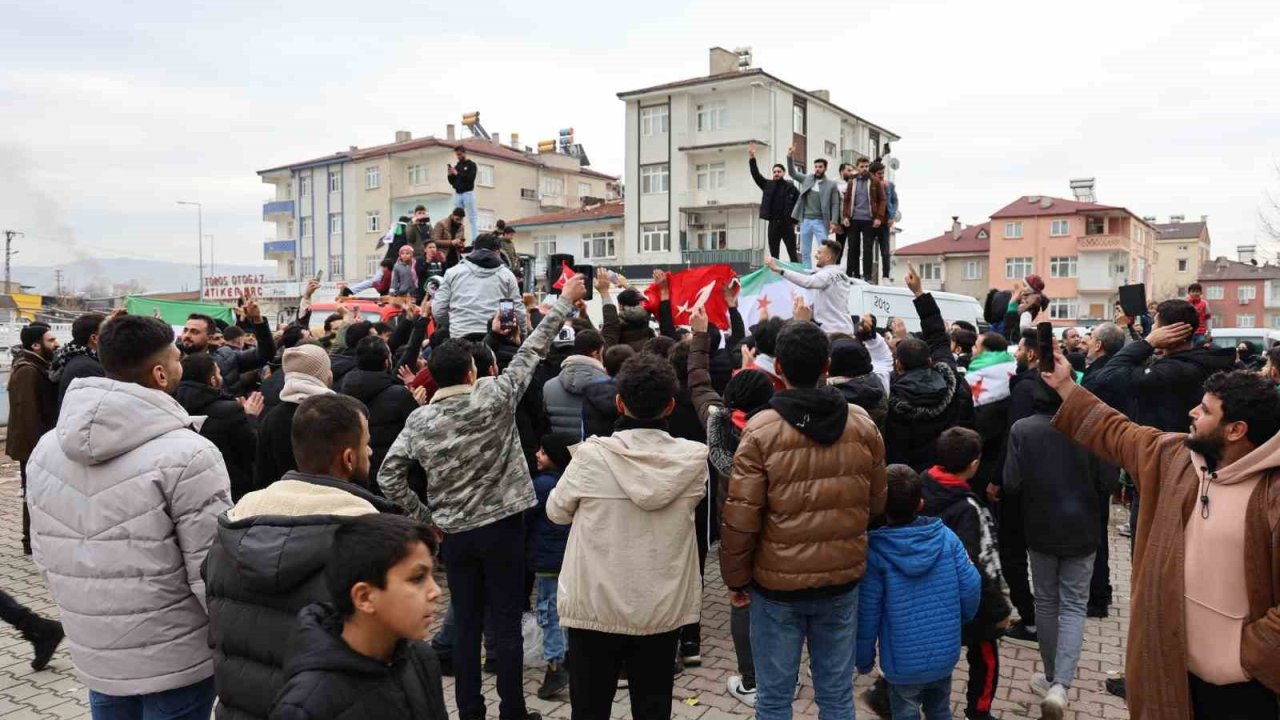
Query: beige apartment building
[(1182, 248)]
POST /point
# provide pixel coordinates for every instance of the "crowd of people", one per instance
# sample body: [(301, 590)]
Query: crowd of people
[(256, 517)]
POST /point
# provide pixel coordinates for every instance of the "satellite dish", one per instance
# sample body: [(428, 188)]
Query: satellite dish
[(1046, 203), (1033, 199), (894, 164)]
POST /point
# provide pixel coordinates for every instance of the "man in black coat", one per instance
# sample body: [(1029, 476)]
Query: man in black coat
[(390, 403), (78, 358), (778, 197), (198, 335), (599, 402), (306, 374), (230, 424), (268, 559)]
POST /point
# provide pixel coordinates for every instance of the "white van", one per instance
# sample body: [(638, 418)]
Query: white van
[(1263, 338), (886, 301)]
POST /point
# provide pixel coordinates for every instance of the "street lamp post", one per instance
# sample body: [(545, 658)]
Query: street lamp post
[(199, 238), (210, 239)]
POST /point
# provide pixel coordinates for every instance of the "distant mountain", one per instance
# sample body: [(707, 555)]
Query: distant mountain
[(100, 277)]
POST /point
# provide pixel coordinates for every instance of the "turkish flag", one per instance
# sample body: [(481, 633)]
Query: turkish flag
[(693, 288), (566, 274)]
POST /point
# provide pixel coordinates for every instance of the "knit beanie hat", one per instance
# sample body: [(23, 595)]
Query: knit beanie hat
[(849, 358), (309, 360), (556, 446), (1035, 282), (748, 390)]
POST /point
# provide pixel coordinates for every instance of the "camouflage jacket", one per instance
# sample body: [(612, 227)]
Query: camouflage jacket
[(467, 443)]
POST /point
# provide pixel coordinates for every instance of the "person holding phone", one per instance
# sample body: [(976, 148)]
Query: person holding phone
[(472, 290), (462, 178)]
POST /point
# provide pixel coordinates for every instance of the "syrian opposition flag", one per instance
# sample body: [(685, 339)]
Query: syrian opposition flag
[(566, 274), (392, 233), (988, 377), (765, 290), (694, 288)]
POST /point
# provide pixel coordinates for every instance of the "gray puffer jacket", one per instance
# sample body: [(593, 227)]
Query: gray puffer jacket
[(562, 395), (468, 298), (124, 499)]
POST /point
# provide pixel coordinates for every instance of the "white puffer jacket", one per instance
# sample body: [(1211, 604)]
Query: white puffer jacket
[(124, 500)]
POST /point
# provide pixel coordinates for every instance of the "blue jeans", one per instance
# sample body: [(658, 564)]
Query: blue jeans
[(779, 630), (549, 620), (467, 201), (811, 230), (193, 702), (933, 698)]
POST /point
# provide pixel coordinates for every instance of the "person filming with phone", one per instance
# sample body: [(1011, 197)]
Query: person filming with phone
[(473, 290)]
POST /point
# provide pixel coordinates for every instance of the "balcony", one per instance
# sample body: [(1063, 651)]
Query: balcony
[(1102, 243), (277, 210), (272, 248), (749, 258)]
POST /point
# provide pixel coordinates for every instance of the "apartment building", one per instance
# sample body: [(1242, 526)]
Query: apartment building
[(956, 261), (1182, 248), (1242, 294), (330, 212), (691, 199)]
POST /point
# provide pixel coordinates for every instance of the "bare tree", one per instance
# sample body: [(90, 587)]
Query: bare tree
[(1269, 222)]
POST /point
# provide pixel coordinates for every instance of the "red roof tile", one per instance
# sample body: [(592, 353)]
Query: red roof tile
[(1223, 269), (1179, 231), (599, 212), (1025, 206), (945, 244)]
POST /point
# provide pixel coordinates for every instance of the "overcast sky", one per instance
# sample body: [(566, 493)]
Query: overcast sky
[(110, 112)]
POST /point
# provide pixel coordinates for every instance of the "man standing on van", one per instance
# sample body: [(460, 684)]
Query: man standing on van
[(817, 207), (831, 299)]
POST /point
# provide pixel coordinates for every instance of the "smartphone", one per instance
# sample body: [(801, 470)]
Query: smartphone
[(1044, 346), (319, 275), (507, 313), (588, 273)]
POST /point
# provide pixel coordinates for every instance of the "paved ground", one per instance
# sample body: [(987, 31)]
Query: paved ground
[(700, 692)]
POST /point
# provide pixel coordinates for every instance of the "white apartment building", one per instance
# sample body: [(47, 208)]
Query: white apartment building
[(690, 197)]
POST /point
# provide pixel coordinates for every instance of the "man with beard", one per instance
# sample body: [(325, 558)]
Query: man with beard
[(78, 358), (626, 323), (778, 197), (451, 236), (818, 207), (198, 335), (33, 404), (1205, 617)]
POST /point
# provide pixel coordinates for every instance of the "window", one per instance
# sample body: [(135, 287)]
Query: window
[(1017, 267), (654, 179), (830, 149), (1245, 320), (306, 227), (584, 189), (335, 181), (710, 176), (484, 220), (1013, 230), (930, 271), (1182, 248), (1060, 228), (373, 221), (373, 264), (304, 185), (715, 237), (1062, 267), (1095, 226), (654, 120), (712, 115), (874, 142), (552, 185), (372, 178), (528, 194), (484, 175), (798, 118), (335, 223), (597, 245), (1245, 293), (1064, 309), (1275, 321), (544, 246), (335, 266), (1182, 264), (1213, 292), (417, 174), (973, 269), (308, 267), (655, 237)]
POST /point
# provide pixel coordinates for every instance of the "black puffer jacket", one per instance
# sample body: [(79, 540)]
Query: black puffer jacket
[(390, 405), (79, 366), (1165, 391), (865, 391), (259, 573), (599, 408), (228, 427), (275, 445), (341, 363), (327, 680)]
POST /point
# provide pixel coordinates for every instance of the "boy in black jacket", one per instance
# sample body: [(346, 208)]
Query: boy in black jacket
[(948, 496), (363, 656)]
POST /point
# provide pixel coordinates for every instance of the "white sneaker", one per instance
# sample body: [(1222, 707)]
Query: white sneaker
[(1040, 684), (745, 696), (1054, 704)]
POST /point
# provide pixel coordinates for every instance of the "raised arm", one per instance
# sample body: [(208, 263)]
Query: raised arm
[(755, 174), (791, 166), (703, 395), (515, 379)]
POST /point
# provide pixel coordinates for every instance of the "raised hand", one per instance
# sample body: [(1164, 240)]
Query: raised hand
[(406, 375), (252, 311), (575, 289), (253, 404), (799, 310), (751, 149), (602, 281), (731, 290), (420, 395), (913, 280), (698, 320), (748, 357)]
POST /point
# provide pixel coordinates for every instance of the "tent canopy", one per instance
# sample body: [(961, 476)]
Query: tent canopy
[(175, 312)]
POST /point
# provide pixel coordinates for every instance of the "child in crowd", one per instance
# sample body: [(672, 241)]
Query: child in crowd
[(363, 656), (434, 260), (1203, 315), (379, 281), (404, 279), (948, 497), (546, 547), (918, 588)]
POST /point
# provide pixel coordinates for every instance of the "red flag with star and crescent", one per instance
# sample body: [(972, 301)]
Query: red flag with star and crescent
[(566, 274), (693, 288)]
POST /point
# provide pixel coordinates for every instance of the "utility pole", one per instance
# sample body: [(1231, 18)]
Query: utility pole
[(199, 238), (9, 235), (57, 280)]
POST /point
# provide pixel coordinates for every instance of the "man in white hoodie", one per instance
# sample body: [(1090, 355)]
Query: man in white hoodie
[(831, 301), (124, 498), (630, 576)]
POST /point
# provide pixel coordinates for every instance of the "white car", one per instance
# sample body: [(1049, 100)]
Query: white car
[(1261, 338), (886, 301)]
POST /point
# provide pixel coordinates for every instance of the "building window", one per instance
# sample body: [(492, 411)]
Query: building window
[(1246, 293), (373, 264), (528, 194), (712, 115), (1182, 248), (1060, 228), (308, 267), (484, 220), (930, 271), (544, 246), (335, 266), (306, 227), (484, 175), (830, 149), (1275, 321), (584, 189), (1095, 226), (597, 245), (552, 185), (1245, 320), (335, 181), (417, 174), (714, 237), (1013, 230), (654, 120), (1213, 292), (1064, 309), (372, 178), (335, 223), (874, 142), (654, 179), (973, 269), (1017, 267), (304, 185), (1062, 267), (373, 221), (797, 119), (710, 176), (655, 237), (1182, 264)]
